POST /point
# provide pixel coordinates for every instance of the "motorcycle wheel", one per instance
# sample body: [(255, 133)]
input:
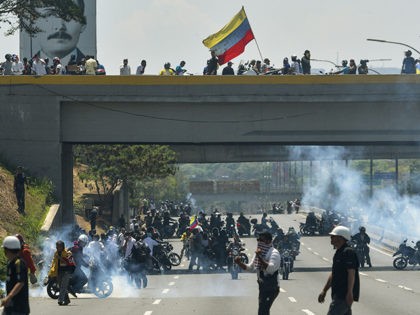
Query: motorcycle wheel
[(400, 263), (234, 272), (103, 289), (285, 273), (53, 289), (175, 259)]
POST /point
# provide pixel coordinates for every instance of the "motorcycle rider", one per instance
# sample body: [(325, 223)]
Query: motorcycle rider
[(264, 221), (311, 220), (362, 239), (244, 223), (79, 277), (62, 267), (230, 224)]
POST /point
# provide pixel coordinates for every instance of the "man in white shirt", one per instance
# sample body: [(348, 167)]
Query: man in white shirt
[(17, 66), (38, 66), (266, 262), (125, 68)]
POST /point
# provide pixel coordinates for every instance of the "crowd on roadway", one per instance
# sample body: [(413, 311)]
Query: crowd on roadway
[(89, 65)]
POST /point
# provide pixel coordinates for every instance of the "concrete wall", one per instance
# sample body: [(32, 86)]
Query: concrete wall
[(30, 133)]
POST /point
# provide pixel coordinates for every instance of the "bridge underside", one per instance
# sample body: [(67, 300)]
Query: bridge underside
[(235, 153)]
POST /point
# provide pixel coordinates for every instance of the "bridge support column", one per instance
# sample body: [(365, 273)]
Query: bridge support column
[(67, 183)]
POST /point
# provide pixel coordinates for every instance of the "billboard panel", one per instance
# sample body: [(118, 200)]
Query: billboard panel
[(62, 39)]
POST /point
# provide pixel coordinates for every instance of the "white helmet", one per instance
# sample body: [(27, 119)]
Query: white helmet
[(341, 231), (11, 242), (84, 239)]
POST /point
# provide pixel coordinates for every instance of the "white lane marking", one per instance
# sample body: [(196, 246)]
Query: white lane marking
[(176, 277), (165, 291), (308, 312), (148, 313), (156, 302), (315, 253), (292, 299), (302, 243), (381, 251), (171, 283), (381, 280), (182, 265), (363, 274), (405, 288), (309, 248), (282, 290), (326, 259)]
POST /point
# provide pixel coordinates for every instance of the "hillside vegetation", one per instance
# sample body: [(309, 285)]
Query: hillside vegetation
[(38, 199)]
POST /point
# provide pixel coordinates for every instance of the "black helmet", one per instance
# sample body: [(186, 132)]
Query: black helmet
[(362, 229)]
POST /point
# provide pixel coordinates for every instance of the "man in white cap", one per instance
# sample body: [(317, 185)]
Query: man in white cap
[(17, 298), (344, 278)]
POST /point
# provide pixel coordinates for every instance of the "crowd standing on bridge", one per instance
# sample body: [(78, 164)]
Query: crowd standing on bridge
[(89, 65)]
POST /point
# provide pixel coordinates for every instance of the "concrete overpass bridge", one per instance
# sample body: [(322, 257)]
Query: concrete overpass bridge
[(205, 118)]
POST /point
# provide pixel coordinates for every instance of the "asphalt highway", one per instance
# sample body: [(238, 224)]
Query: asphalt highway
[(384, 290)]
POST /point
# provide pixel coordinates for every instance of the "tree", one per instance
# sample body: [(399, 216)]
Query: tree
[(21, 14), (110, 165)]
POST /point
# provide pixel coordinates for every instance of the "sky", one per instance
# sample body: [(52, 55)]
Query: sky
[(162, 31)]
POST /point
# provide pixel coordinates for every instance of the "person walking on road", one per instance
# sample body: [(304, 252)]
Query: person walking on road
[(266, 263), (344, 278)]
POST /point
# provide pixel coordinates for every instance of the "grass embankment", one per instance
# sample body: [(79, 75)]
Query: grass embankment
[(38, 199)]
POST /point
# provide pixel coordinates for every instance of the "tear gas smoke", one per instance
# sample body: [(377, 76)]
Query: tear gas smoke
[(340, 188), (123, 288)]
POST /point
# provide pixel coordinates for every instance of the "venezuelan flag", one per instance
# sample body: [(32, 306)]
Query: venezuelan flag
[(193, 223), (231, 40)]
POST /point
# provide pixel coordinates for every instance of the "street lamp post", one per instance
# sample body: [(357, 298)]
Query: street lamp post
[(389, 42)]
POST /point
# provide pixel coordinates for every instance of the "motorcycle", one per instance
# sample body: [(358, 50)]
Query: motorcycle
[(286, 264), (308, 230), (230, 230), (243, 229), (235, 250), (406, 255), (164, 257), (99, 283)]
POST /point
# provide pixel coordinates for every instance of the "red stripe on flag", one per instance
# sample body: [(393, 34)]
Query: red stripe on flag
[(236, 49)]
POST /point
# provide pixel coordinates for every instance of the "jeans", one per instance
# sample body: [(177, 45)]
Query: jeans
[(265, 300), (339, 307)]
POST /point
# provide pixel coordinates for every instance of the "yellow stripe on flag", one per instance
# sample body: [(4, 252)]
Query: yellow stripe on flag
[(214, 39), (192, 219)]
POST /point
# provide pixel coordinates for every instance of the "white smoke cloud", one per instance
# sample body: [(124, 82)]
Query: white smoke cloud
[(339, 187)]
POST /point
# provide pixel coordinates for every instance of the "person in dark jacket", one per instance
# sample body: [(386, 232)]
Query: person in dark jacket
[(228, 70), (19, 186), (409, 64), (306, 62), (344, 278)]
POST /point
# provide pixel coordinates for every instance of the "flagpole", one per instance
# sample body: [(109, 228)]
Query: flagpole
[(255, 39)]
